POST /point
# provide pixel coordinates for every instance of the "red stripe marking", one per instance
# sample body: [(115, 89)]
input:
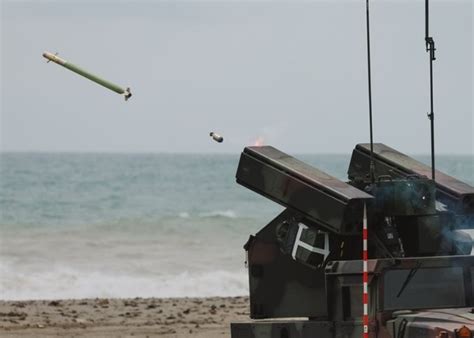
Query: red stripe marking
[(365, 275)]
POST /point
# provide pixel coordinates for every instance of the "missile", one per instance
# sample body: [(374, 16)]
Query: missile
[(216, 137), (56, 59)]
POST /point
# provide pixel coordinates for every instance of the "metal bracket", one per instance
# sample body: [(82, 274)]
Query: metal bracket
[(430, 47)]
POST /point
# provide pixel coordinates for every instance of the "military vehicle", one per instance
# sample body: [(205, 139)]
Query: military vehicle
[(389, 253), (306, 263)]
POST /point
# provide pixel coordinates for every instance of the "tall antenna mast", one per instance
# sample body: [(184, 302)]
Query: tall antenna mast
[(372, 165), (430, 47), (372, 180)]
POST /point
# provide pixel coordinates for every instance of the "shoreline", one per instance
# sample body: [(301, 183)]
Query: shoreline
[(113, 317)]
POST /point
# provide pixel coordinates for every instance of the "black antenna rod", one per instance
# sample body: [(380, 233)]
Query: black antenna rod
[(372, 165), (430, 47)]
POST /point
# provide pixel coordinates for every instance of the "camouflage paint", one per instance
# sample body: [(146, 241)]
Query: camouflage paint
[(286, 281)]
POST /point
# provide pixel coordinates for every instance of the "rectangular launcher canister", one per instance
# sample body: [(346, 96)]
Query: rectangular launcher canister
[(456, 195), (320, 198)]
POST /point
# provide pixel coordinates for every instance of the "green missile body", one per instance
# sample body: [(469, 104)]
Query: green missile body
[(56, 59)]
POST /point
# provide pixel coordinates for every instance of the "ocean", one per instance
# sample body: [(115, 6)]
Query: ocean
[(136, 225)]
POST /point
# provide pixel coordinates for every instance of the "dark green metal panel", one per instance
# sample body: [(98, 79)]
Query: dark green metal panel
[(323, 199)]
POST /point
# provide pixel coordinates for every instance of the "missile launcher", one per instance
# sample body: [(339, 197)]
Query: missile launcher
[(387, 254), (307, 261)]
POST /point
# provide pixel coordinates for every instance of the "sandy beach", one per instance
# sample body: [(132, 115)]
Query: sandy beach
[(137, 317)]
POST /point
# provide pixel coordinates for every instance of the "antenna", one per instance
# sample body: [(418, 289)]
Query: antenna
[(372, 165), (430, 47)]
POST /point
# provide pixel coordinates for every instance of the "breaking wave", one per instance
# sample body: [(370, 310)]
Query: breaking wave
[(72, 284), (219, 213), (209, 214)]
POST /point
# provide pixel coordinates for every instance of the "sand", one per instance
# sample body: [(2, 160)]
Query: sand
[(138, 317)]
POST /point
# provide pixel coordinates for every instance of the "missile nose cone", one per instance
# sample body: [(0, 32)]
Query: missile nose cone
[(48, 55), (54, 57)]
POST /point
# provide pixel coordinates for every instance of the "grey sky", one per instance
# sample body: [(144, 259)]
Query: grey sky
[(292, 72)]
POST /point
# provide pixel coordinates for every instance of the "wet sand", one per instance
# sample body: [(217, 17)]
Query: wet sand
[(138, 317)]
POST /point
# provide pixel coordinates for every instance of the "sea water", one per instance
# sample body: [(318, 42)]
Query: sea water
[(135, 225)]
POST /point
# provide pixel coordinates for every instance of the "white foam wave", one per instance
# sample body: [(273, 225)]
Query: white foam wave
[(219, 213), (70, 284), (183, 215)]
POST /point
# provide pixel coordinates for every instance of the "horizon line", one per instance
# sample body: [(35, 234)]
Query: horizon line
[(112, 152)]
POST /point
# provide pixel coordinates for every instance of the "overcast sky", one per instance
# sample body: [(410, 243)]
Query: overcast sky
[(294, 73)]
